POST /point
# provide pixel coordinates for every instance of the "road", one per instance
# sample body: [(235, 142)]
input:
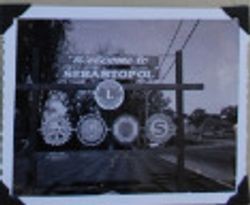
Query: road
[(216, 160), (122, 171), (130, 171)]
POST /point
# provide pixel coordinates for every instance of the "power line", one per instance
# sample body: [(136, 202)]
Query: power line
[(171, 43), (183, 47), (190, 34), (169, 69)]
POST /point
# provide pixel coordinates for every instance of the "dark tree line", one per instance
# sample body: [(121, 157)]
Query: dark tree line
[(37, 46), (228, 114), (39, 40)]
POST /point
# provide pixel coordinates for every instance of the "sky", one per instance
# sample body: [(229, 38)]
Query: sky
[(210, 57)]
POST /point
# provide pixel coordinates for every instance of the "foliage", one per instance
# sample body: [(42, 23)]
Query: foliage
[(42, 38), (229, 113), (197, 117)]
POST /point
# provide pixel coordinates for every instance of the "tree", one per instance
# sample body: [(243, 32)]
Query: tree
[(44, 36), (229, 113), (197, 117), (38, 44)]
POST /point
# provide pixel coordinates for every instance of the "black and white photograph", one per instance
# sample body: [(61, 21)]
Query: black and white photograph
[(125, 106)]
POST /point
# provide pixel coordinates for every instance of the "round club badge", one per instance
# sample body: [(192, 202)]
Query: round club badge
[(125, 129), (91, 130), (56, 131), (159, 128), (109, 94)]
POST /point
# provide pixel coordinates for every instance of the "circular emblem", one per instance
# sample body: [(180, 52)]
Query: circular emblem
[(91, 130), (109, 94), (126, 129), (56, 131), (159, 128)]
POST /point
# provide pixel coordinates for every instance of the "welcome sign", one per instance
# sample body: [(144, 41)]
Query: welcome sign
[(137, 67)]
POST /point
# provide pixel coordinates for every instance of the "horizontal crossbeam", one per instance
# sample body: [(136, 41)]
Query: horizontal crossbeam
[(129, 86)]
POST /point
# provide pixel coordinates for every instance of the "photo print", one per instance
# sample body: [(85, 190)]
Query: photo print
[(125, 108)]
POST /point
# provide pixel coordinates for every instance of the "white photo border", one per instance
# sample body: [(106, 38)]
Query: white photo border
[(119, 13)]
